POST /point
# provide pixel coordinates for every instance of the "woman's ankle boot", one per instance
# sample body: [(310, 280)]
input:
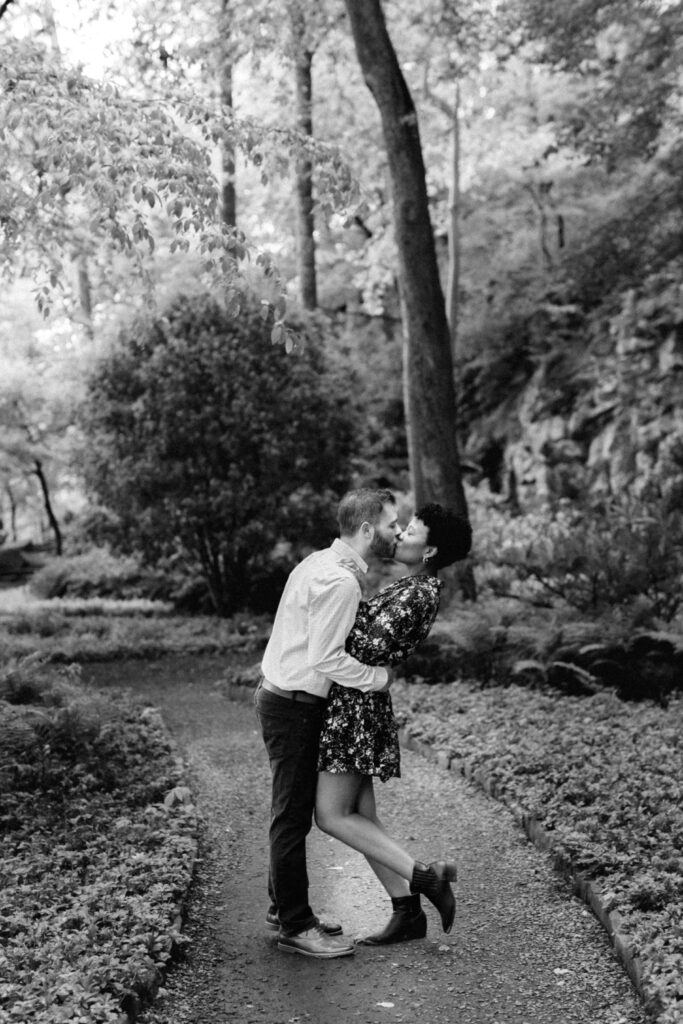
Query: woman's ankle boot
[(407, 922), (433, 881)]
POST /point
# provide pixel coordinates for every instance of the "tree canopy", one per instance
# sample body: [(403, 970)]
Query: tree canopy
[(563, 196)]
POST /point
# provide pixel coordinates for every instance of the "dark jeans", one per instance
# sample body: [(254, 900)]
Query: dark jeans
[(291, 733)]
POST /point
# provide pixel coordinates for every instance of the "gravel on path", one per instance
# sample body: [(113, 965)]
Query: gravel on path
[(523, 949)]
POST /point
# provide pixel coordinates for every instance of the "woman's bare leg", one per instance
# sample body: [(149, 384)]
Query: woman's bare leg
[(337, 812), (396, 885)]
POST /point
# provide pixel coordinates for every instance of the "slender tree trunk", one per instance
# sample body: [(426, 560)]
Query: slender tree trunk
[(50, 26), (539, 194), (454, 228), (304, 171), (229, 193), (52, 519), (85, 295), (12, 512), (428, 365)]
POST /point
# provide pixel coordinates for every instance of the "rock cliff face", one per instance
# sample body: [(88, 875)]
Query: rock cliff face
[(602, 414)]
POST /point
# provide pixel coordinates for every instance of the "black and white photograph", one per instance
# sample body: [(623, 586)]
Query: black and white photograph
[(341, 512)]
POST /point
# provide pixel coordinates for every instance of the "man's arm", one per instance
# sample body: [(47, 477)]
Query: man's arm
[(331, 614)]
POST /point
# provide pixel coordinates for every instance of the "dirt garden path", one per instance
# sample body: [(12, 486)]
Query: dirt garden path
[(523, 949)]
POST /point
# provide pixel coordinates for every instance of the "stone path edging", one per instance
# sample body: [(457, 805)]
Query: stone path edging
[(589, 892)]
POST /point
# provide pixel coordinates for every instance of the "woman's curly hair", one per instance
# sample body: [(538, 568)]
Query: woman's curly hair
[(449, 532)]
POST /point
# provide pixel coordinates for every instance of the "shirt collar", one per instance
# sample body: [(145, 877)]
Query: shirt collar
[(345, 550)]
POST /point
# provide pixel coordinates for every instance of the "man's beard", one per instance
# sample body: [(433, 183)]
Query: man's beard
[(382, 547)]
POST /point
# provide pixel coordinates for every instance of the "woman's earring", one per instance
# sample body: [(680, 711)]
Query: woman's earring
[(425, 559)]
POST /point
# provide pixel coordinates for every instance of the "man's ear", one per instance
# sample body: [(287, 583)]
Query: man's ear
[(368, 530)]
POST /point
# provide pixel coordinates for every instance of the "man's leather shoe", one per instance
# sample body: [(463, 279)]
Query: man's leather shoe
[(315, 942), (329, 927)]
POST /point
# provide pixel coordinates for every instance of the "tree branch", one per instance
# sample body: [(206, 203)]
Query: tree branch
[(4, 5)]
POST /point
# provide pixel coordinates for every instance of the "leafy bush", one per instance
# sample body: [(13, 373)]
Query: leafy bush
[(95, 572), (29, 680), (209, 442), (593, 557)]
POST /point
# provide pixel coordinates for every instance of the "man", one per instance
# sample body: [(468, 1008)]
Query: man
[(304, 655)]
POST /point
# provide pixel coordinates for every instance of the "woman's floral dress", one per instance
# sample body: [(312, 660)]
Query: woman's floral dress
[(359, 732)]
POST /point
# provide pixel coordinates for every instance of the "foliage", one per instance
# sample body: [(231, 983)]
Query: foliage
[(94, 573), (207, 439), (603, 777), (93, 169), (570, 175), (627, 54), (99, 630), (638, 233), (95, 858), (75, 174), (594, 557)]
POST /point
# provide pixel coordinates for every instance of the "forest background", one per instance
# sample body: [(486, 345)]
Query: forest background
[(257, 253), (237, 166)]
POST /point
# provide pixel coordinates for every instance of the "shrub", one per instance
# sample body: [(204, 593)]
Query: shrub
[(593, 557), (209, 442), (96, 572)]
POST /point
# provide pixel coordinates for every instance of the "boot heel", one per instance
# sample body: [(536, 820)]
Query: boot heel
[(433, 881)]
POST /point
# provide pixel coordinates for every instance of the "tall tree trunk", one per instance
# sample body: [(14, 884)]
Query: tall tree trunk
[(454, 227), (229, 192), (304, 171), (428, 364), (52, 519)]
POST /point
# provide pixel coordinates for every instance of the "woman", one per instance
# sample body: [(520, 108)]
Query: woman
[(359, 739)]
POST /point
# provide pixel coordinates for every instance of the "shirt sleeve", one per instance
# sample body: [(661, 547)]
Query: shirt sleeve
[(331, 614)]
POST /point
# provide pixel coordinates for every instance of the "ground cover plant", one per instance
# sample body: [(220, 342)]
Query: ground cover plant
[(101, 629), (98, 839), (601, 774), (604, 778)]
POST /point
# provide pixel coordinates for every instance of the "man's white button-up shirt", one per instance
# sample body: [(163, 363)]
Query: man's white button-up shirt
[(315, 615)]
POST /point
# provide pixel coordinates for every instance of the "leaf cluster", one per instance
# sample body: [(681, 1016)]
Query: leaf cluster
[(594, 556)]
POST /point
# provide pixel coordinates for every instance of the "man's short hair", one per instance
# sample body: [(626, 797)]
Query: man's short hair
[(364, 505)]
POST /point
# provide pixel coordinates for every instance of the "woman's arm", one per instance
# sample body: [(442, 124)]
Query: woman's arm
[(391, 625)]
